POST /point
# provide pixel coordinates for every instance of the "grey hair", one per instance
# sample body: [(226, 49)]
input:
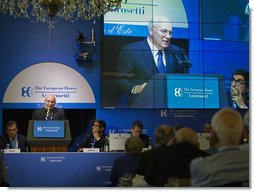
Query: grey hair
[(227, 123), (156, 20), (133, 145), (163, 134)]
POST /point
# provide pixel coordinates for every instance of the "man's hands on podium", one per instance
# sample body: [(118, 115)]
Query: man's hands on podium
[(138, 88)]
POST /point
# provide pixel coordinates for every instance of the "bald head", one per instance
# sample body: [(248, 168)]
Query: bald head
[(50, 101), (164, 135), (227, 124), (186, 135)]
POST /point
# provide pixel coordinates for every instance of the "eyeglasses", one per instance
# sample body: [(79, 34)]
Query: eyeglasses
[(238, 81), (164, 32)]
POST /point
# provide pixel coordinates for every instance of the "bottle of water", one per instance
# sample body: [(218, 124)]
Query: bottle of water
[(7, 146), (106, 145), (150, 143)]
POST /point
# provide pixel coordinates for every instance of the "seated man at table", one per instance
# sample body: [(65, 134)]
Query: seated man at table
[(95, 139), (12, 140), (136, 131)]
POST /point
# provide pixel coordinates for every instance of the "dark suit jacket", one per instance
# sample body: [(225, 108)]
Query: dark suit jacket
[(124, 164), (22, 142), (88, 139), (146, 160), (137, 59), (3, 172), (145, 139), (172, 161), (39, 114)]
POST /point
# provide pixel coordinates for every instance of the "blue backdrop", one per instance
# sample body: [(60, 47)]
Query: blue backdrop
[(23, 44)]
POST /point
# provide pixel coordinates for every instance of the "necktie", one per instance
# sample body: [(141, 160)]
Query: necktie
[(161, 67), (13, 143)]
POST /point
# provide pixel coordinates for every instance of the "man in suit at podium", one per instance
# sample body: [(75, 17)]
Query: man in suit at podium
[(155, 54), (49, 111)]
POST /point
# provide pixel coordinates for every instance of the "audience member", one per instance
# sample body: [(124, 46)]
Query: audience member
[(49, 111), (178, 126), (207, 127), (173, 161), (136, 131), (230, 166), (164, 136), (12, 139), (213, 148), (3, 172), (239, 89), (213, 141), (128, 163), (95, 139), (245, 137)]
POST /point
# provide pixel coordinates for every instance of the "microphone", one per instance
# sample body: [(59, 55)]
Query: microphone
[(177, 57), (234, 105), (186, 59), (49, 114), (182, 60)]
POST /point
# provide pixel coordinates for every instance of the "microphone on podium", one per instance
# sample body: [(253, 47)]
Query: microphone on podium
[(183, 60), (49, 114)]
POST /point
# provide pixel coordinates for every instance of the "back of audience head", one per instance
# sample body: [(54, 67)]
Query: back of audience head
[(246, 127), (227, 124), (178, 126), (246, 120), (186, 135), (133, 145), (164, 135), (136, 128), (207, 127)]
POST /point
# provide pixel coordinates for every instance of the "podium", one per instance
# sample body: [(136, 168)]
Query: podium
[(48, 136), (183, 91)]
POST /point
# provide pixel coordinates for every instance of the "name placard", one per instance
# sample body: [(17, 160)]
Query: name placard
[(91, 150), (117, 141), (11, 150)]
